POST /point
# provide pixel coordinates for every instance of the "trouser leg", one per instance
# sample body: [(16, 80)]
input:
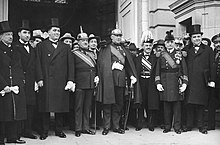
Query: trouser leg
[(79, 97), (167, 115), (177, 115), (87, 108), (107, 115)]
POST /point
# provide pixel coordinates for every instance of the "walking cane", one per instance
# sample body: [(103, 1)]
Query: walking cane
[(131, 95), (94, 94)]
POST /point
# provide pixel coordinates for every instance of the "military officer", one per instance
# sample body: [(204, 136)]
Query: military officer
[(85, 79), (12, 100), (114, 64), (200, 62), (55, 76), (170, 68)]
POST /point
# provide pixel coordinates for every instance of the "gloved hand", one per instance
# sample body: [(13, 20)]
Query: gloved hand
[(183, 88), (7, 89), (117, 65), (96, 80), (160, 88), (40, 83), (211, 84), (36, 88), (70, 86), (133, 80)]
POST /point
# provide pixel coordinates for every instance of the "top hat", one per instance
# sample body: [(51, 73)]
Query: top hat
[(169, 36), (196, 29), (53, 22), (67, 36), (24, 25), (4, 27), (216, 38), (92, 36)]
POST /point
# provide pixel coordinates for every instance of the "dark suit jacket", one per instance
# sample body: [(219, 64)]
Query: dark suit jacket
[(55, 67)]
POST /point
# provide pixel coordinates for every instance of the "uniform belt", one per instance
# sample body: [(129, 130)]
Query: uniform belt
[(88, 69), (170, 70), (145, 73), (145, 77)]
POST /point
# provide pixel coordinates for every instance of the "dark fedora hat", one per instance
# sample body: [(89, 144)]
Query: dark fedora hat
[(53, 22), (92, 36), (5, 27), (159, 42), (67, 36), (196, 29), (24, 25)]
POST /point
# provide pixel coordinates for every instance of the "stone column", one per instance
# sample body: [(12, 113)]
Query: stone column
[(3, 10)]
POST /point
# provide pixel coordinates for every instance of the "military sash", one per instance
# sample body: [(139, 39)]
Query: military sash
[(169, 59), (118, 54), (85, 58), (146, 63)]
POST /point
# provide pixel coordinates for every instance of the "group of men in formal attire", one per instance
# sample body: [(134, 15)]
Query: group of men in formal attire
[(88, 80)]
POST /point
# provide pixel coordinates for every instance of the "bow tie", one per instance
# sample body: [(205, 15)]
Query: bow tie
[(56, 43)]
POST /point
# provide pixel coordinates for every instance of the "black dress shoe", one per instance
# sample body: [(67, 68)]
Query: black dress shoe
[(29, 135), (2, 142), (211, 128), (60, 134), (119, 130), (151, 128), (97, 128), (166, 130), (187, 129), (203, 130), (18, 141), (138, 128), (43, 136), (88, 132), (105, 131), (78, 133), (178, 131)]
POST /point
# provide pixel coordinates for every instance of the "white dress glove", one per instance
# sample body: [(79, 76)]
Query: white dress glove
[(70, 86), (40, 83), (183, 88), (36, 88), (160, 87), (117, 65), (133, 80), (7, 89), (96, 80), (211, 84)]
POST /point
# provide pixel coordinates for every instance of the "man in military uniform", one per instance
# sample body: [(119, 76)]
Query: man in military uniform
[(55, 76), (214, 99), (28, 58), (170, 68), (12, 97), (143, 64), (200, 62), (85, 78), (114, 63)]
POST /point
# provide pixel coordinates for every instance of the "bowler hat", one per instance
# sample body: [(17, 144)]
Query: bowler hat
[(169, 36), (196, 29), (132, 47), (92, 36), (4, 27), (53, 22), (208, 40), (216, 38), (37, 34), (159, 42), (24, 25), (67, 36)]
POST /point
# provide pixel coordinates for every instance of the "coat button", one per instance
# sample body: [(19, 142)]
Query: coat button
[(49, 55), (10, 77)]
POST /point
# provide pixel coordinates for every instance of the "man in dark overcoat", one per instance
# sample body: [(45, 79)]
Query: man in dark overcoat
[(55, 76), (214, 99), (12, 97), (200, 61), (171, 80), (28, 58), (85, 75), (114, 63)]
